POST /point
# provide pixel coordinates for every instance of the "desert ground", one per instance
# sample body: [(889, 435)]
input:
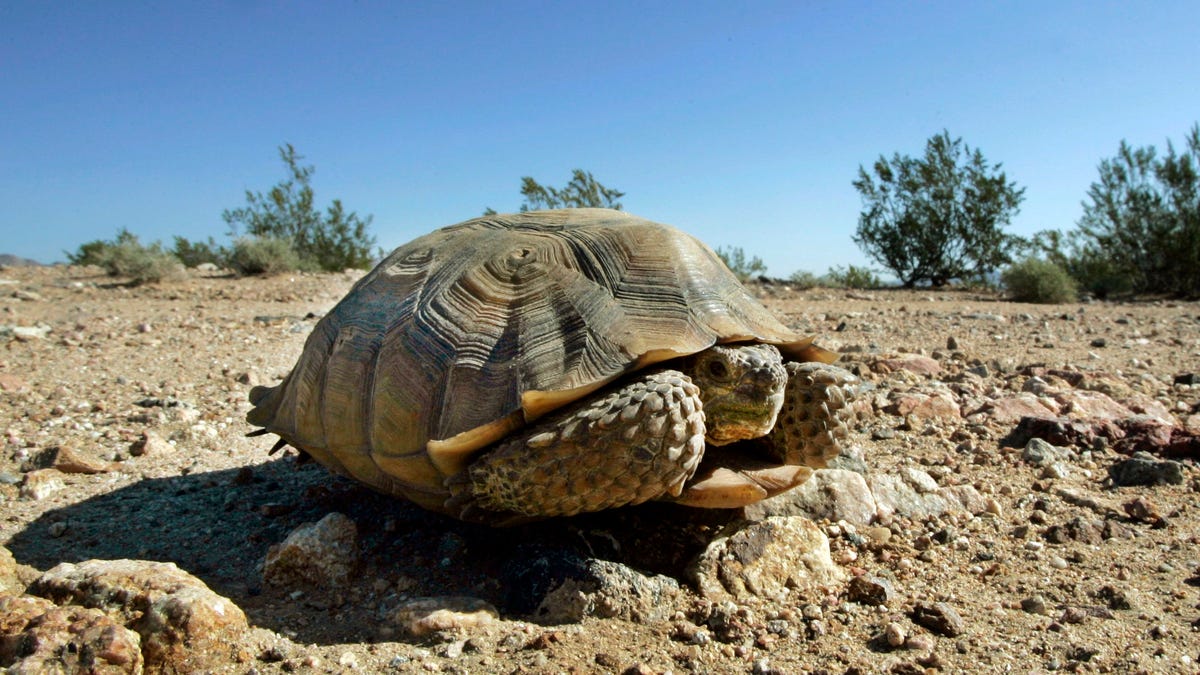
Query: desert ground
[(952, 536)]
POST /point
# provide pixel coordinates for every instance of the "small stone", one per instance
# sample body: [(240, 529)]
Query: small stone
[(150, 444), (67, 460), (894, 634), (919, 643), (939, 617), (348, 660), (1142, 509), (57, 529), (453, 615), (10, 382), (870, 590), (1034, 604), (42, 483), (952, 345)]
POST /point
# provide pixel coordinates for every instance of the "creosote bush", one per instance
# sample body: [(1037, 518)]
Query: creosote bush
[(126, 256), (1040, 281), (735, 259), (804, 280), (264, 255), (851, 276)]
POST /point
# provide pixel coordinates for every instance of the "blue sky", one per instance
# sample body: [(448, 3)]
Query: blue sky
[(743, 123)]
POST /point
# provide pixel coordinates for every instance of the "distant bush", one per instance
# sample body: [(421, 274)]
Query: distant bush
[(125, 256), (196, 253), (735, 259), (1041, 281), (263, 255), (852, 276), (331, 241), (804, 280)]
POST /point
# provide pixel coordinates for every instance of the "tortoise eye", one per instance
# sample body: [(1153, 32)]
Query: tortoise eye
[(718, 369)]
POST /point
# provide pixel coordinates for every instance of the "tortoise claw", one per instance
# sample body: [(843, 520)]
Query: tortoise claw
[(725, 488)]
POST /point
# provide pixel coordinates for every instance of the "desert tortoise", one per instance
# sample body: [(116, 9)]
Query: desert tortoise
[(548, 363)]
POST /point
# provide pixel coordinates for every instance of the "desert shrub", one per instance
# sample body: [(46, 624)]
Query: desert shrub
[(195, 253), (851, 276), (126, 256), (804, 280), (735, 259), (263, 255), (937, 218), (1038, 280), (1141, 222), (332, 241)]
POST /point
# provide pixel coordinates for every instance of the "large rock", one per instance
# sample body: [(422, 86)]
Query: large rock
[(915, 494), (767, 559), (610, 590), (322, 554), (184, 626), (36, 636), (560, 586), (833, 494)]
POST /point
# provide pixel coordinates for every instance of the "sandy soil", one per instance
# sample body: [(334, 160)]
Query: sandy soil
[(177, 359)]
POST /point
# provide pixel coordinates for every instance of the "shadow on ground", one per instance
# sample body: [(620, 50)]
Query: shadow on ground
[(219, 525)]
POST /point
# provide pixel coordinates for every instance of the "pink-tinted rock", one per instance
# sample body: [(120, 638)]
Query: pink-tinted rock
[(1148, 434), (1012, 408), (1090, 405), (921, 365), (184, 626), (939, 405), (38, 637), (10, 382)]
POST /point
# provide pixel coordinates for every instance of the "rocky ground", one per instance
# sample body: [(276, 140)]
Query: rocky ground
[(1020, 494)]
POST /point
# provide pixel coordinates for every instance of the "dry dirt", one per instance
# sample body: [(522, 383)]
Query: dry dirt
[(178, 359)]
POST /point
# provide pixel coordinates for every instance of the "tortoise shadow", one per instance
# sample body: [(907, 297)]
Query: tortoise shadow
[(219, 525)]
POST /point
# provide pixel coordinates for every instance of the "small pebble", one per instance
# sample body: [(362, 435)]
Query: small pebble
[(895, 635)]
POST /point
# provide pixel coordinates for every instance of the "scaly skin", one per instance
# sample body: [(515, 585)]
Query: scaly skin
[(645, 438)]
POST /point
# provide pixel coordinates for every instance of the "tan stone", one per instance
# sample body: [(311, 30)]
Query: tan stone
[(768, 559), (184, 626), (453, 614), (322, 554)]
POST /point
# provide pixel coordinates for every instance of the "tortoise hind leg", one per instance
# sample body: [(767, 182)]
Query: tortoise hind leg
[(641, 440)]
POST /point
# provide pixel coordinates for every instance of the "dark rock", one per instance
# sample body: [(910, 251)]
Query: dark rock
[(1145, 469), (870, 590), (1062, 431), (560, 586), (938, 617)]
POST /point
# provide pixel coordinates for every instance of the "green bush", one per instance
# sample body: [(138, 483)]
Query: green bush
[(804, 280), (125, 256), (263, 255), (196, 253), (852, 276), (331, 241), (735, 259), (1041, 281)]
